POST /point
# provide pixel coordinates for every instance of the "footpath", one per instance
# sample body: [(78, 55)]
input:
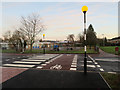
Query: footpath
[(104, 54)]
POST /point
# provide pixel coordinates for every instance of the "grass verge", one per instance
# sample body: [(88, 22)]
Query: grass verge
[(112, 79), (48, 51), (109, 49)]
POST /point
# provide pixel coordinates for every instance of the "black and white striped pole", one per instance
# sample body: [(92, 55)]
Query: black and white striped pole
[(84, 10), (43, 44)]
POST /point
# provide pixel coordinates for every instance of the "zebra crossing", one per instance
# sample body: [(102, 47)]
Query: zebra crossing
[(90, 64), (32, 62)]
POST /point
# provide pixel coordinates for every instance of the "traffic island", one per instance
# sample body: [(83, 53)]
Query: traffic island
[(36, 78)]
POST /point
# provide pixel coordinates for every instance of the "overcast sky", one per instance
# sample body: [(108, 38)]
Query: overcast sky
[(63, 18)]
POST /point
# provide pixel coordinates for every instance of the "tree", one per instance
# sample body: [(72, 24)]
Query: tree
[(15, 39), (7, 36), (31, 27), (91, 38), (105, 41), (70, 38), (81, 39)]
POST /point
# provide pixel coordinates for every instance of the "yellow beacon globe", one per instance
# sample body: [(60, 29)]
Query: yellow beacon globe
[(84, 8), (43, 34)]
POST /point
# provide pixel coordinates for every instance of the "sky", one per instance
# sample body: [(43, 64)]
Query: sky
[(63, 18)]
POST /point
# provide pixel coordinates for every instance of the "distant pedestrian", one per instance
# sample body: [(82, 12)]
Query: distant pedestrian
[(116, 50)]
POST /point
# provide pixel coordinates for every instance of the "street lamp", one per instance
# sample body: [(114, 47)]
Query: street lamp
[(84, 10), (43, 44), (103, 39)]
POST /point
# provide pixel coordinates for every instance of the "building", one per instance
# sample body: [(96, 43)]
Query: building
[(49, 44), (4, 45), (115, 40)]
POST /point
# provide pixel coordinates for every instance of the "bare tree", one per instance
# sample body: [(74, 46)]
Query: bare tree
[(80, 38), (7, 35), (14, 39), (31, 27), (70, 38)]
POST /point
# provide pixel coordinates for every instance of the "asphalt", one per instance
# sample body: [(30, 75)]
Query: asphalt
[(36, 78), (108, 62)]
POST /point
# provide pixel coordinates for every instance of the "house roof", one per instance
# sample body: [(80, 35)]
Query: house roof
[(116, 38)]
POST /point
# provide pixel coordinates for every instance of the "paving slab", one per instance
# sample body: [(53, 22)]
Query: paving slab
[(36, 78)]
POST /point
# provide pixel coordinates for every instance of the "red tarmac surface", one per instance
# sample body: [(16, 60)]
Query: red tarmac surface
[(65, 61), (7, 73)]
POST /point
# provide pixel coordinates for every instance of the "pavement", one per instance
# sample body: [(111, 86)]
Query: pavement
[(34, 78)]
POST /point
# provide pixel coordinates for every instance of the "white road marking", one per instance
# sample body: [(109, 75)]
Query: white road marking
[(87, 61), (93, 66), (18, 65), (43, 64), (74, 63), (95, 62), (57, 66), (47, 62), (72, 68), (56, 57), (39, 67), (27, 62), (33, 60), (68, 55), (112, 72), (101, 69), (91, 58), (112, 60), (98, 66)]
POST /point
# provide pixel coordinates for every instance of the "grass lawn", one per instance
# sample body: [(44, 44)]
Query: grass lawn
[(9, 51), (48, 51), (113, 80), (109, 49)]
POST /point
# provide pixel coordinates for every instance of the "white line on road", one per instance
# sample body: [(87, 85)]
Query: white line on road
[(27, 62), (18, 65), (47, 62), (74, 63), (95, 62), (92, 66), (33, 60), (40, 67), (43, 64), (72, 68), (112, 72), (101, 69), (98, 66), (91, 58), (112, 60), (87, 61)]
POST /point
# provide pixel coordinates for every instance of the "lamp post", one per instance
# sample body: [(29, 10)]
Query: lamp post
[(43, 44), (84, 10), (103, 39)]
